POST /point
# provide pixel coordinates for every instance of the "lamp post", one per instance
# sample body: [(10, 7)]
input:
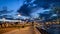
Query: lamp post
[(4, 22), (19, 20), (3, 19), (19, 17)]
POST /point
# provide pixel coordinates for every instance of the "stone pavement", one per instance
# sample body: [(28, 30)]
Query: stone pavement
[(26, 30)]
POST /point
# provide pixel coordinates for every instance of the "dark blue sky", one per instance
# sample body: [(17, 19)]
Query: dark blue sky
[(38, 6), (11, 4)]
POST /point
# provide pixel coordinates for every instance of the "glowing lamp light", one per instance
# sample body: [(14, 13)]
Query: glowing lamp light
[(4, 19), (19, 15)]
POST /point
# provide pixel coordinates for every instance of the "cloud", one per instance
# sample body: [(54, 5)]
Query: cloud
[(40, 10), (8, 14), (29, 8), (32, 7), (26, 9)]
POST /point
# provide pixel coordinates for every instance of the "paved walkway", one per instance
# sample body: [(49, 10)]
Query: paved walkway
[(26, 30)]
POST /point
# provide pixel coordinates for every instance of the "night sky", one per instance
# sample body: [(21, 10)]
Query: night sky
[(33, 7)]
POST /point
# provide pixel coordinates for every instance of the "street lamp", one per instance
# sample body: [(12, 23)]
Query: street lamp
[(3, 19), (19, 17), (4, 25)]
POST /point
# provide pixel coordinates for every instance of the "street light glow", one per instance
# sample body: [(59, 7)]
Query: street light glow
[(19, 15), (3, 18)]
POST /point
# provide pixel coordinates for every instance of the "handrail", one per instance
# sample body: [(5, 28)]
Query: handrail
[(36, 31), (42, 31)]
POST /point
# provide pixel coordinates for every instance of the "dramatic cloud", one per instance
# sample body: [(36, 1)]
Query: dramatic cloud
[(32, 6), (29, 8)]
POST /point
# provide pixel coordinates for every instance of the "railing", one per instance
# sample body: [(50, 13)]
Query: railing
[(40, 31), (37, 31)]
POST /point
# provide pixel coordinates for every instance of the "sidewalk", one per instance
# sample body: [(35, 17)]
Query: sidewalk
[(26, 30)]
